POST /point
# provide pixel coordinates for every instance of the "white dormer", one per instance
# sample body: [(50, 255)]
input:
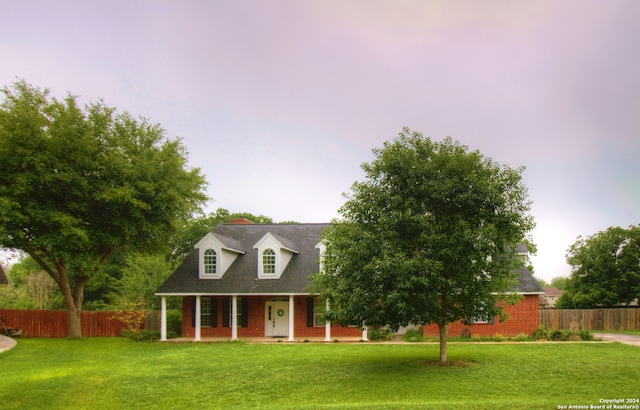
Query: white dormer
[(274, 253), (321, 247), (216, 253)]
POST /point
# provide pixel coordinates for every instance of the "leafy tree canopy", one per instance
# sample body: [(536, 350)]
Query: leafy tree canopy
[(77, 184), (605, 269), (428, 237), (559, 282)]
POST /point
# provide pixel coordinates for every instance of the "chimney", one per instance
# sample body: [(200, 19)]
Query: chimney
[(240, 221)]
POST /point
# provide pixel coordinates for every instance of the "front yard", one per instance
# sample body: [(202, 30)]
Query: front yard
[(111, 373)]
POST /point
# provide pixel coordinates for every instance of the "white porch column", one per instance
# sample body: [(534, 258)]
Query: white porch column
[(291, 317), (197, 313), (234, 317), (163, 318), (327, 326), (364, 333)]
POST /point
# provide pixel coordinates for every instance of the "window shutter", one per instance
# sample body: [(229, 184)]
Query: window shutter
[(193, 312), (225, 311), (310, 304), (490, 320), (245, 312), (214, 312)]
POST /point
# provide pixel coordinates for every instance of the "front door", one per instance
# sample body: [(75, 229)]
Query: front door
[(276, 319)]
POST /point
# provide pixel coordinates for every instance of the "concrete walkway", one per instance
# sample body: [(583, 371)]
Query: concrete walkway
[(6, 343), (618, 337)]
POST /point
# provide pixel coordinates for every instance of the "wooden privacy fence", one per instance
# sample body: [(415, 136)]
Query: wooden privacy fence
[(591, 319), (53, 323)]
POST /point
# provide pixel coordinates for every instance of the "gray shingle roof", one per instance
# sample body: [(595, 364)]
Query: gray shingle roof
[(527, 283), (241, 277)]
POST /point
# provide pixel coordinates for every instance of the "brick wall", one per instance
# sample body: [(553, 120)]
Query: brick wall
[(523, 318)]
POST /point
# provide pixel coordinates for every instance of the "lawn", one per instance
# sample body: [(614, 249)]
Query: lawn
[(110, 373)]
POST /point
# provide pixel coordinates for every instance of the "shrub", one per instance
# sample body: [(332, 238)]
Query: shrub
[(560, 335), (413, 335), (585, 335), (174, 323), (380, 334), (141, 335), (498, 337), (476, 337), (540, 333), (132, 314), (522, 337)]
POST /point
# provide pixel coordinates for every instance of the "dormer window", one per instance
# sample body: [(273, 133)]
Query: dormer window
[(273, 253), (210, 262), (217, 253), (268, 262)]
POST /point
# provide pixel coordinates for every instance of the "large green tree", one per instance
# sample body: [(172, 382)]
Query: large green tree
[(605, 269), (78, 183), (428, 237)]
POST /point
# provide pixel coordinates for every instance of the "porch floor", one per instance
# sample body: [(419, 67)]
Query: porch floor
[(397, 339), (264, 340)]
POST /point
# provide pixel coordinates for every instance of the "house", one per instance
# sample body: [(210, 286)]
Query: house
[(250, 280), (550, 297), (246, 280), (522, 317)]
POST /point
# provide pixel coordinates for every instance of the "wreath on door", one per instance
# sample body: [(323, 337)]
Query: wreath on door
[(280, 312)]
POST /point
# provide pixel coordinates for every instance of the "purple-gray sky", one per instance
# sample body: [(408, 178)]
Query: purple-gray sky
[(279, 102)]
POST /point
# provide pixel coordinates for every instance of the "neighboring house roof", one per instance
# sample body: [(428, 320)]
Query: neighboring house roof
[(3, 277), (241, 276), (551, 291)]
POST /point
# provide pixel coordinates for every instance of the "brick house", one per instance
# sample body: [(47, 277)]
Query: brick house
[(522, 317), (251, 280)]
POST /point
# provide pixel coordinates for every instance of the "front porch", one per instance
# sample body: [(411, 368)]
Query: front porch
[(261, 318), (267, 340)]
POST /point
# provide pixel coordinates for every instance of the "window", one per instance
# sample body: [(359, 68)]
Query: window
[(319, 309), (242, 316), (316, 308), (205, 312), (268, 261), (208, 312), (482, 318), (210, 262)]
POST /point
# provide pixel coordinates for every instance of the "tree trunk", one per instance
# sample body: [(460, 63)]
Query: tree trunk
[(73, 305), (74, 323), (443, 342)]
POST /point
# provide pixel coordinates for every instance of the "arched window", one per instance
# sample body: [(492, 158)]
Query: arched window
[(268, 261), (210, 262)]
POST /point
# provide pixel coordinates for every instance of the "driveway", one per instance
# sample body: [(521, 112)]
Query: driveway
[(618, 337), (6, 343)]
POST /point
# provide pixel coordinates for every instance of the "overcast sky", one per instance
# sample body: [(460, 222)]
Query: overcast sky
[(279, 102)]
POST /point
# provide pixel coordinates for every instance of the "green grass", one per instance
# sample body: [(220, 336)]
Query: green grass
[(110, 373), (626, 332)]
